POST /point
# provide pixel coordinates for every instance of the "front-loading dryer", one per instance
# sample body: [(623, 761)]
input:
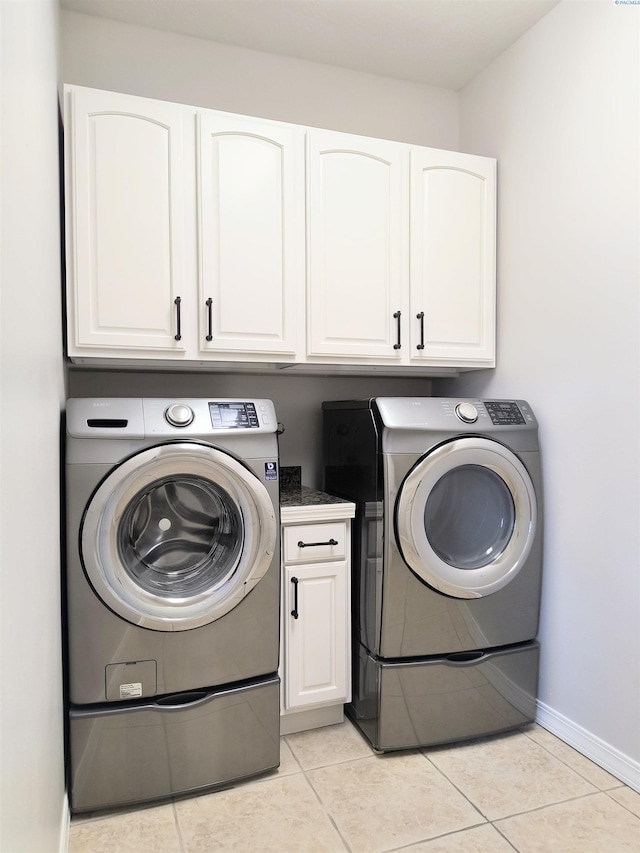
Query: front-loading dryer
[(172, 591), (447, 563)]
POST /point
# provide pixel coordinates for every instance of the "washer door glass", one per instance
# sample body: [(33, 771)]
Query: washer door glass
[(178, 535), (466, 517)]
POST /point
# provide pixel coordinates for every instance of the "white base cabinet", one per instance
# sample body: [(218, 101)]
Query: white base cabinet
[(316, 616), (203, 239)]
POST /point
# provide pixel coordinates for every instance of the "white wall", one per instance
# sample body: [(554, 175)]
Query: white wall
[(140, 61), (33, 802), (560, 112)]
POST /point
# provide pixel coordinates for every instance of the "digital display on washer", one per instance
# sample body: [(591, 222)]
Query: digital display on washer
[(504, 414), (233, 415)]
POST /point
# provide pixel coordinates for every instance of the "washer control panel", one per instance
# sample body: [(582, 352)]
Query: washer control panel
[(504, 413), (234, 415), (153, 417)]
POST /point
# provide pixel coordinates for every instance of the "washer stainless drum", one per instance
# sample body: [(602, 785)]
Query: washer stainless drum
[(172, 584), (447, 563)]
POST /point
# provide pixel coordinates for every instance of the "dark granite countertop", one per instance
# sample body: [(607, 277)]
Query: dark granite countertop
[(304, 496)]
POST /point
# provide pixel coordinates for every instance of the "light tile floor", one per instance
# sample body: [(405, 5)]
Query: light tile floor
[(526, 791)]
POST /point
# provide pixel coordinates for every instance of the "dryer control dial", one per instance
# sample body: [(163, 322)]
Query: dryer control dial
[(467, 413), (179, 415)]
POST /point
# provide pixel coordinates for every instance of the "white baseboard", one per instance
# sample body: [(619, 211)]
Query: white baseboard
[(603, 754), (65, 819)]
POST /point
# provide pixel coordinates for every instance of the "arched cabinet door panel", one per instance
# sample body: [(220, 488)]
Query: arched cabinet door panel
[(251, 233), (125, 215), (356, 240), (452, 237)]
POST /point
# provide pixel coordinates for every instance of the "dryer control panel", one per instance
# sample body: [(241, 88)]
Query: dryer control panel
[(449, 413)]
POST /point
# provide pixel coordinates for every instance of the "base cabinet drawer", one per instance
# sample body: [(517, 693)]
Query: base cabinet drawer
[(310, 543)]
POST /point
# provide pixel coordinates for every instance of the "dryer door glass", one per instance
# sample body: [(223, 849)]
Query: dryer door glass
[(178, 535), (469, 517), (466, 517)]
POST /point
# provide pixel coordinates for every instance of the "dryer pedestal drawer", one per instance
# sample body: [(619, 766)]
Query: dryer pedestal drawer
[(128, 753), (399, 705)]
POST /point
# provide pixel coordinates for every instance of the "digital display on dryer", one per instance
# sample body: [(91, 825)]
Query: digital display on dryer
[(504, 414), (233, 416)]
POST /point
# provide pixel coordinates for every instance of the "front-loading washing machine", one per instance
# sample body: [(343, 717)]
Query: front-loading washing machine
[(447, 563), (172, 595)]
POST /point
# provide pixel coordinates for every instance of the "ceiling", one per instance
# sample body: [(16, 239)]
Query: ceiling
[(437, 42)]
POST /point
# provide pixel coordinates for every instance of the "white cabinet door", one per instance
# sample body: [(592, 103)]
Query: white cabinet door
[(125, 263), (452, 237), (251, 206), (316, 639), (356, 240)]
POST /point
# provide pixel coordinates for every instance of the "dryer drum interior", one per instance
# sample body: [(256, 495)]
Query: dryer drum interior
[(469, 517)]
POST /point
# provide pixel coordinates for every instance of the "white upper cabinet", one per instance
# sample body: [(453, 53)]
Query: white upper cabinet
[(198, 236), (251, 233), (125, 210), (453, 212), (355, 221)]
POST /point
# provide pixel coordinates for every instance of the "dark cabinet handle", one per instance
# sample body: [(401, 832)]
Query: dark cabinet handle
[(396, 316), (209, 304), (420, 317), (302, 544), (177, 301), (294, 612)]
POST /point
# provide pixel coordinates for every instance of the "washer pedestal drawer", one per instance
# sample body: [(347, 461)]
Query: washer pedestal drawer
[(407, 704), (131, 752)]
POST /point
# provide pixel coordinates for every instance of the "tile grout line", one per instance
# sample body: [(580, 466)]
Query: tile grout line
[(545, 806), (517, 813), (325, 809), (177, 824), (609, 793)]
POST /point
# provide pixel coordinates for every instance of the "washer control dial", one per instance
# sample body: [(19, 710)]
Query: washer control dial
[(179, 415), (467, 413)]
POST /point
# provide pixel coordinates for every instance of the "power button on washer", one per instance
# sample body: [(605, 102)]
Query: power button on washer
[(467, 413), (179, 415)]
